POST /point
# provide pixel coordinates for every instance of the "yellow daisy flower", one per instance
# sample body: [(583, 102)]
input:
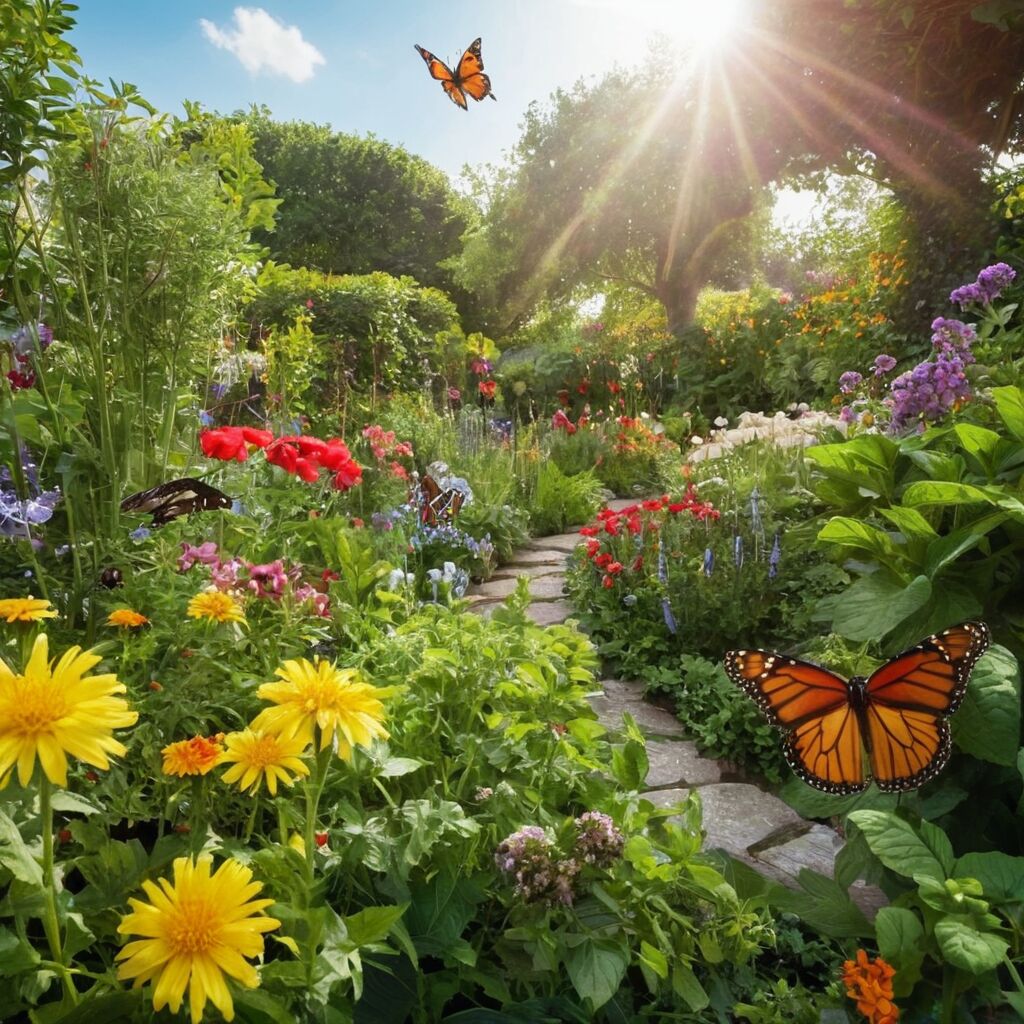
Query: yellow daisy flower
[(196, 756), (54, 709), (127, 618), (258, 756), (337, 700), (215, 605), (25, 609), (196, 930)]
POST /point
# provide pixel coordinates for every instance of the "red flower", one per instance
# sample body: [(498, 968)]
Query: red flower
[(309, 303), (638, 563), (603, 560), (582, 421), (20, 381), (358, 524), (614, 387), (563, 397), (224, 443), (593, 546), (583, 387), (320, 838), (607, 583), (589, 531), (562, 422), (260, 438), (652, 505), (281, 453), (614, 568), (488, 388), (349, 474), (307, 469), (676, 507), (335, 455)]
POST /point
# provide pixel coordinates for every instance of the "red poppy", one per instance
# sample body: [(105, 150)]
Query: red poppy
[(307, 469), (563, 397), (583, 387), (349, 474), (281, 453), (224, 443), (488, 389), (608, 583), (589, 531), (614, 387), (260, 438), (335, 455)]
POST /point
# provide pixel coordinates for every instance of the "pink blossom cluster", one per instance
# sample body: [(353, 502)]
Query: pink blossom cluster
[(383, 446), (268, 580)]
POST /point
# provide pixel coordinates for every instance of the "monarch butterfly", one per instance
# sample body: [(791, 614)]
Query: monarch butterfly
[(439, 505), (898, 713), (176, 498), (467, 79)]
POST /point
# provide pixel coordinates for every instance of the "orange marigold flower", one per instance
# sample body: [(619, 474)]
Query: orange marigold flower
[(127, 618), (196, 756), (869, 984)]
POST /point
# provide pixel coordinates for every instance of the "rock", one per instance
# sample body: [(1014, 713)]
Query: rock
[(512, 570), (527, 556), (495, 590), (547, 588), (737, 816), (549, 613), (815, 849), (564, 542), (619, 697), (677, 763)]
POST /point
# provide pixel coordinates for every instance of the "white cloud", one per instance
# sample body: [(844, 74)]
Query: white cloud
[(262, 43)]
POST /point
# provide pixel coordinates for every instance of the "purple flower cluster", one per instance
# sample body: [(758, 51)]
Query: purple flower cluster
[(849, 382), (18, 514), (933, 388), (598, 841), (991, 283), (528, 856), (24, 343), (883, 364)]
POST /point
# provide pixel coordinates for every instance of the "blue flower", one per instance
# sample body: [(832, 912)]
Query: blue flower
[(662, 563), (773, 559), (709, 561), (737, 551), (670, 619), (140, 534), (206, 419)]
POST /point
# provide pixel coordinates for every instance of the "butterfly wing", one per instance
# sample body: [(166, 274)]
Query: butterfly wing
[(909, 699), (824, 741), (440, 71), (176, 498), (430, 491), (470, 73)]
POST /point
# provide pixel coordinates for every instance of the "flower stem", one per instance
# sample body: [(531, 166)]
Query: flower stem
[(51, 923)]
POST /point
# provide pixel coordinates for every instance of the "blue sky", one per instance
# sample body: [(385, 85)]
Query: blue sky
[(371, 79), (352, 65)]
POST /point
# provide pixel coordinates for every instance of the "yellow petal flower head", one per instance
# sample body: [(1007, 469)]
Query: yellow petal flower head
[(127, 618), (345, 708), (196, 930), (25, 609), (196, 756), (215, 605), (256, 757), (54, 709)]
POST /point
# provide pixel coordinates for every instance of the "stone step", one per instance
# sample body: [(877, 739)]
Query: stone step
[(676, 763), (620, 696), (564, 542), (550, 613)]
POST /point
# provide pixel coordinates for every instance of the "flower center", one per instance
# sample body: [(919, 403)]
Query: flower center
[(36, 709), (262, 752), (196, 926)]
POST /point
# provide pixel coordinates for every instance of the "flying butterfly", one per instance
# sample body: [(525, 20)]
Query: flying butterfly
[(439, 505), (176, 498), (897, 714), (468, 78)]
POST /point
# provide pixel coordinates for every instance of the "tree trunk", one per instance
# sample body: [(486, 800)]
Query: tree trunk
[(679, 297)]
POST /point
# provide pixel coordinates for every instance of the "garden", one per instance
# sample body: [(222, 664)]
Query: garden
[(579, 595)]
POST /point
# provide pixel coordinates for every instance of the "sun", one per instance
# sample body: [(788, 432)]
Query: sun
[(709, 23)]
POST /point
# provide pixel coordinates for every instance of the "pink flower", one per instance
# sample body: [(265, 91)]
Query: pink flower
[(225, 575), (206, 553), (268, 580), (454, 395)]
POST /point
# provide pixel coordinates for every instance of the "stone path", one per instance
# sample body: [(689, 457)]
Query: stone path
[(747, 822)]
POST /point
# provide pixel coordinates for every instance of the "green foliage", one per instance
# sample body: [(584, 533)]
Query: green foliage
[(559, 501)]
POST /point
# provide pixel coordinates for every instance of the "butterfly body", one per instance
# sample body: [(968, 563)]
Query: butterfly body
[(176, 498), (897, 716), (439, 504), (468, 78)]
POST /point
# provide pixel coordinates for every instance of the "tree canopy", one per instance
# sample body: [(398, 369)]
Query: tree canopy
[(354, 205)]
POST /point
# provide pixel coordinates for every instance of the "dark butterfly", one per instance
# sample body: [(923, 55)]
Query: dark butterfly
[(176, 498), (897, 714), (439, 505), (467, 79)]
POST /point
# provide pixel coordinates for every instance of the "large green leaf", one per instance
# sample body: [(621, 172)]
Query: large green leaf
[(1001, 876), (909, 522), (978, 441), (988, 722), (15, 855), (899, 933), (875, 605), (1010, 406), (948, 549), (372, 924), (860, 536), (596, 970), (895, 843), (965, 947), (940, 492), (825, 905)]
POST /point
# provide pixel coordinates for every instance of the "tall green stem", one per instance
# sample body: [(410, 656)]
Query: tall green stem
[(51, 923)]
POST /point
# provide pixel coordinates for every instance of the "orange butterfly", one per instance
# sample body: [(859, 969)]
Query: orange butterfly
[(439, 505), (467, 79), (898, 714)]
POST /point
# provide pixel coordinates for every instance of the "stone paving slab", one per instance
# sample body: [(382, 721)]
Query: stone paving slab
[(549, 613), (677, 763), (565, 542), (620, 696), (815, 849), (542, 557), (512, 570), (736, 815), (547, 588)]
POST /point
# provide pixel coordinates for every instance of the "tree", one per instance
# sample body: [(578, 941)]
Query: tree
[(353, 205), (643, 179)]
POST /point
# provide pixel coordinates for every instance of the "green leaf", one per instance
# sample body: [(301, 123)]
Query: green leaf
[(1001, 876), (977, 441), (945, 550), (394, 767), (899, 933), (15, 956), (653, 959), (909, 522), (687, 986), (988, 722), (860, 536), (440, 911), (875, 605), (1010, 406), (938, 842), (939, 492), (895, 843), (71, 803), (15, 855), (596, 970), (372, 924), (965, 947), (825, 905)]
